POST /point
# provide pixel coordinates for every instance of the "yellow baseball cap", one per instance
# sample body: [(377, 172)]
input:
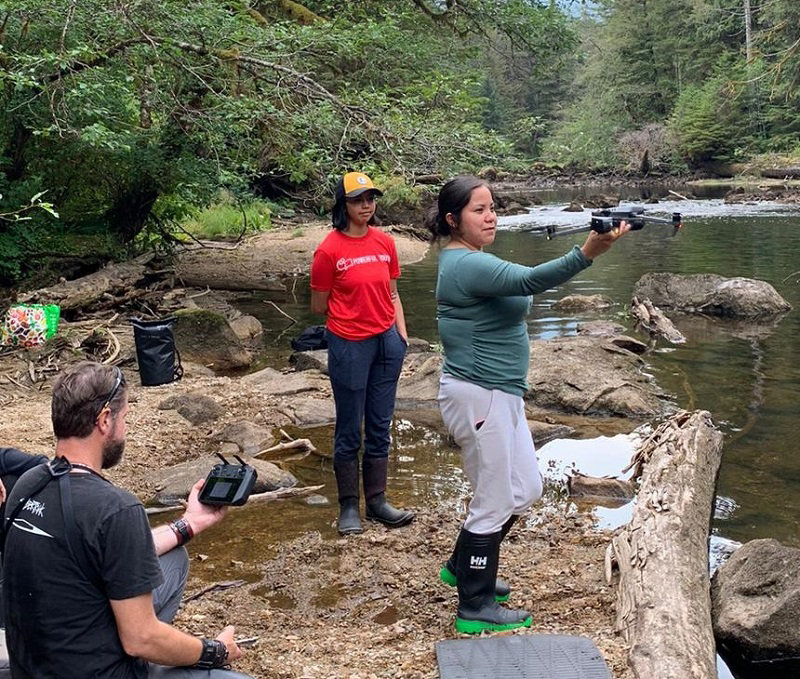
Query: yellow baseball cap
[(356, 183)]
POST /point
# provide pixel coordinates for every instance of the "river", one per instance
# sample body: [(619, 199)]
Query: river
[(748, 378)]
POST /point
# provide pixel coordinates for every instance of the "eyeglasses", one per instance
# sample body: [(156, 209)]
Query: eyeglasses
[(368, 198), (113, 392)]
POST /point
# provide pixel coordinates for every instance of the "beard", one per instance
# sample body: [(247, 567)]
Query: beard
[(112, 453)]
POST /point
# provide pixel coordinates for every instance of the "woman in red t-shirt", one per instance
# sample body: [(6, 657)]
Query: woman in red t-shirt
[(354, 282)]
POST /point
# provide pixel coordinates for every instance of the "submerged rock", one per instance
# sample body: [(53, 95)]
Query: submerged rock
[(584, 302)]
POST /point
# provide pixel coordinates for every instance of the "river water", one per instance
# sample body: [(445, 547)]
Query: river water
[(747, 377)]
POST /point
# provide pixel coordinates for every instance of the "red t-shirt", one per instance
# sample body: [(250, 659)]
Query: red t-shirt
[(356, 272)]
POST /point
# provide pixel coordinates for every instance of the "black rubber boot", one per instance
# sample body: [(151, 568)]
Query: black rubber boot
[(476, 572), (375, 470), (502, 590), (347, 485)]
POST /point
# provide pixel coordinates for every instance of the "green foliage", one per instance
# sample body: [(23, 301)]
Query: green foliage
[(708, 120), (225, 220), (588, 136), (135, 115)]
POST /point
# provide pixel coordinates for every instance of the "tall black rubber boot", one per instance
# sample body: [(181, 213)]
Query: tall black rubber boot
[(347, 484), (476, 571), (375, 470), (502, 590)]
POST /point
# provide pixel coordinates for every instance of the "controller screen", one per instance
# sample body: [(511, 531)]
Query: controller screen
[(220, 490)]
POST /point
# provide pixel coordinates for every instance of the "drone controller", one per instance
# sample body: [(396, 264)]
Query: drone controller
[(228, 484)]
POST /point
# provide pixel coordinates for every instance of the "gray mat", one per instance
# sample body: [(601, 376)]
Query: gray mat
[(519, 656)]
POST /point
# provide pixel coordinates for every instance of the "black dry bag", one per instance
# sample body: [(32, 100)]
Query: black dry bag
[(159, 360), (311, 339)]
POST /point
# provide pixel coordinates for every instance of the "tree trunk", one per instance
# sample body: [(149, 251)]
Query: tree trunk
[(130, 211), (748, 32), (663, 600)]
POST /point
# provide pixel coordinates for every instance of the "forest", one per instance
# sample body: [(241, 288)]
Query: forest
[(122, 120)]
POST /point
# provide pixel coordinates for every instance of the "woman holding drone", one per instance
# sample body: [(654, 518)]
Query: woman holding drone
[(482, 302)]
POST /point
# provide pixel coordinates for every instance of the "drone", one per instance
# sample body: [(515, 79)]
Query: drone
[(603, 221)]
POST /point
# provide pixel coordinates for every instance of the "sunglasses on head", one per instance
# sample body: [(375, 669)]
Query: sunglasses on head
[(113, 392)]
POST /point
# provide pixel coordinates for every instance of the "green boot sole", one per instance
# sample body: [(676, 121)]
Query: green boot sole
[(449, 578), (478, 626)]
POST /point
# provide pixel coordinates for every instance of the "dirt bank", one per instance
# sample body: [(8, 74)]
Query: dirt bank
[(362, 607)]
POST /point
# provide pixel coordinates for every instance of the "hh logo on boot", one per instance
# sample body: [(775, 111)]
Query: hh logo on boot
[(477, 562)]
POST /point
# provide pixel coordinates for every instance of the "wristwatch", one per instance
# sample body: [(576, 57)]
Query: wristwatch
[(214, 654)]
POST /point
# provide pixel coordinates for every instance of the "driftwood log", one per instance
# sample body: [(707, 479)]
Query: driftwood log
[(107, 288), (653, 320), (663, 596)]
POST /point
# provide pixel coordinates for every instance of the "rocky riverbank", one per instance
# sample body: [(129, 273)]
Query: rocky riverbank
[(366, 606)]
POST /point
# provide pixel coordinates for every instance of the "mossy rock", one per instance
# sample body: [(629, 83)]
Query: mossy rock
[(206, 337)]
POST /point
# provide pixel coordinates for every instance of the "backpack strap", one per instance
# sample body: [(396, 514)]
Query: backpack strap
[(29, 484), (34, 482)]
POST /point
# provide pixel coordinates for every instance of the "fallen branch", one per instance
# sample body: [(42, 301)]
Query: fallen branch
[(304, 444), (216, 587), (117, 347), (291, 444), (677, 195), (281, 311), (283, 493)]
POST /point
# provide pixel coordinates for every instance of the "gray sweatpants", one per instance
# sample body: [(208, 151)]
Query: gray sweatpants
[(497, 451), (166, 600)]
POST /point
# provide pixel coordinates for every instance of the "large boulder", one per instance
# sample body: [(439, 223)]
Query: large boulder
[(206, 337), (591, 376), (419, 382), (247, 437), (309, 411), (586, 376), (712, 294), (194, 406), (755, 599)]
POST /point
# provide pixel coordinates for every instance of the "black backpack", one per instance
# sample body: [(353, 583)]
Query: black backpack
[(311, 339)]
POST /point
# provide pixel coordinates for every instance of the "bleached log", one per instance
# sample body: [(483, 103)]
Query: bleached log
[(663, 599), (653, 320)]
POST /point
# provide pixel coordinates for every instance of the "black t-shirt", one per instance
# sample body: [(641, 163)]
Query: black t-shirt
[(59, 622)]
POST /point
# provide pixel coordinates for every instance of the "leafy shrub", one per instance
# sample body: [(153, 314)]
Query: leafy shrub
[(225, 220)]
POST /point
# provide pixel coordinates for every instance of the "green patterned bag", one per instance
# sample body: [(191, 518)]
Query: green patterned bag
[(29, 325)]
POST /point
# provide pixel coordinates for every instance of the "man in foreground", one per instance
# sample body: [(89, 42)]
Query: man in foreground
[(90, 590)]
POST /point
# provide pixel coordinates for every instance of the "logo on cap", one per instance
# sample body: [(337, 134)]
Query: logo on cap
[(362, 180)]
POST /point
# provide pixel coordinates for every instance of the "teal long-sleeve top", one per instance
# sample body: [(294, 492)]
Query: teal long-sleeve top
[(482, 302)]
